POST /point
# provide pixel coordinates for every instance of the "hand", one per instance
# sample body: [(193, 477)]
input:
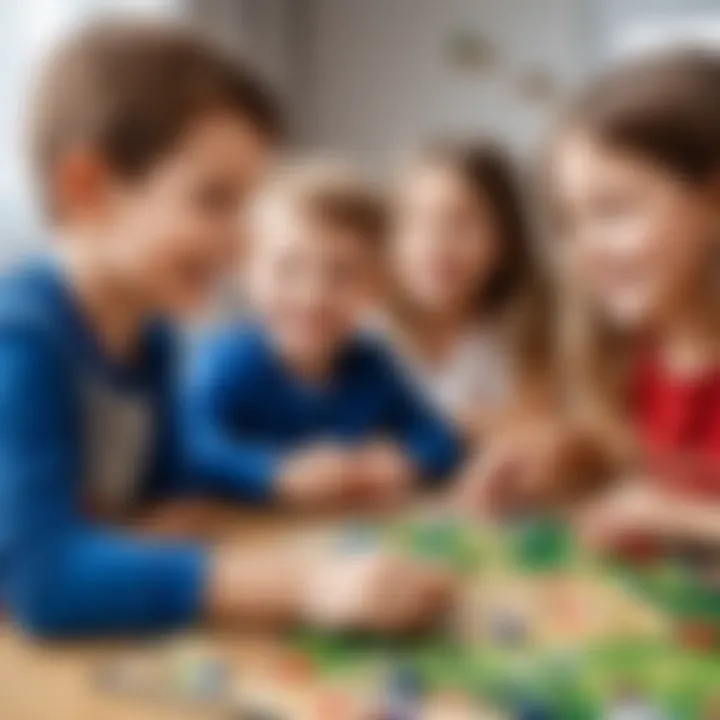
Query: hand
[(633, 511), (375, 592), (532, 466), (319, 476), (386, 475), (514, 472)]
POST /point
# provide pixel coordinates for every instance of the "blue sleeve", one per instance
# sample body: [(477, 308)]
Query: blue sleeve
[(221, 388), (429, 439), (62, 575)]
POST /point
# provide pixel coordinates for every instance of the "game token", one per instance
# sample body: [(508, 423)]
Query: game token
[(534, 710), (700, 636), (405, 690), (251, 712), (358, 538), (508, 630), (406, 680), (195, 675), (127, 675), (638, 549), (634, 709), (211, 679), (296, 667)]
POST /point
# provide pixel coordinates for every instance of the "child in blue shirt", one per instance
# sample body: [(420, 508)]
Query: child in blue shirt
[(299, 406), (143, 164)]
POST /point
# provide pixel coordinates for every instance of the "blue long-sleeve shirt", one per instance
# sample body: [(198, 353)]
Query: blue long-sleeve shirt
[(82, 438), (245, 411)]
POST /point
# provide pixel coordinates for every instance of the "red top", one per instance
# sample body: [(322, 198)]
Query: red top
[(679, 424)]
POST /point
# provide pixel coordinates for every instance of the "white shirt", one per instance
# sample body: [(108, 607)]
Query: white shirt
[(476, 373)]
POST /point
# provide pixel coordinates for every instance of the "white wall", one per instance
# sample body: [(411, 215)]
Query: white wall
[(379, 76)]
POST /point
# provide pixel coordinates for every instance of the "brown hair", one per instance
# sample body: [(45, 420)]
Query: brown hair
[(131, 88), (664, 108), (332, 193), (516, 292)]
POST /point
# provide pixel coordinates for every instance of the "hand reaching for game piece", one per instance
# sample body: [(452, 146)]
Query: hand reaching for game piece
[(533, 466), (387, 474), (376, 475), (276, 584), (632, 510), (320, 476), (375, 592)]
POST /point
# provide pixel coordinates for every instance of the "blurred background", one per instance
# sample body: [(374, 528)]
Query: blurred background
[(368, 78)]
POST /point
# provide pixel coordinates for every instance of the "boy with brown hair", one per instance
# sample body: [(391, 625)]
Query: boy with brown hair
[(146, 143)]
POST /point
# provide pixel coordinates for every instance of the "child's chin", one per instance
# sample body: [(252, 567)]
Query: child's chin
[(630, 314), (312, 346), (185, 306)]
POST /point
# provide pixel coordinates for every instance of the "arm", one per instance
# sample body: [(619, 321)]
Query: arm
[(215, 409), (62, 575), (433, 445)]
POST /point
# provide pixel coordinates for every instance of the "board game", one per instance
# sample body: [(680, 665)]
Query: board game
[(546, 631), (542, 630)]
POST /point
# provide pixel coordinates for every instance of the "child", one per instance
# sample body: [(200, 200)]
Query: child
[(298, 406), (465, 309), (147, 141), (636, 176)]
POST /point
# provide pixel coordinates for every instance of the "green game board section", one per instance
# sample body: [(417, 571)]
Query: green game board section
[(577, 684)]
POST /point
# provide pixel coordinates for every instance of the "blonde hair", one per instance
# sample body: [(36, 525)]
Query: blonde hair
[(329, 192)]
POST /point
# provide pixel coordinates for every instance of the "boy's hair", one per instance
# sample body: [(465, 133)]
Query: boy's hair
[(332, 193), (664, 108), (130, 88)]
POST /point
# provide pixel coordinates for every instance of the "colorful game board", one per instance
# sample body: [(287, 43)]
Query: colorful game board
[(544, 631)]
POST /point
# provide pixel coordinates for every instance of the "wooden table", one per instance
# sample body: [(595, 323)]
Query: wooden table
[(55, 682)]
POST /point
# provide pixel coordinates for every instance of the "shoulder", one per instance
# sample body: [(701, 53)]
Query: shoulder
[(34, 350), (370, 353), (235, 351), (26, 295), (29, 313)]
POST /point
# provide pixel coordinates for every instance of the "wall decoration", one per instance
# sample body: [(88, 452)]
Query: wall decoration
[(467, 50), (537, 85)]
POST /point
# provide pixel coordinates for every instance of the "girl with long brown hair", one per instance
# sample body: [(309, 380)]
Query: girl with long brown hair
[(635, 190), (464, 282)]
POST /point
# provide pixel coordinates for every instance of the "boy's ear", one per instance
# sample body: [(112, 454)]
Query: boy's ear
[(82, 185)]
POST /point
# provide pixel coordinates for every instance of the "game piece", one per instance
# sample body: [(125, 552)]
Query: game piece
[(453, 706), (296, 667), (405, 690), (634, 709), (127, 675), (359, 538), (251, 712), (407, 681), (711, 710), (641, 550), (534, 710), (508, 629), (211, 679), (341, 705), (196, 675), (699, 636)]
